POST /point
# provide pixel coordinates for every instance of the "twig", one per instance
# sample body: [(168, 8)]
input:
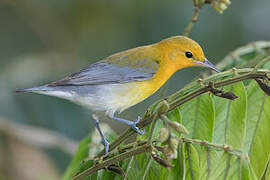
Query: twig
[(263, 86), (111, 161), (152, 127), (200, 91), (261, 63), (225, 147), (245, 50), (194, 85), (193, 20), (145, 148), (221, 93), (186, 32)]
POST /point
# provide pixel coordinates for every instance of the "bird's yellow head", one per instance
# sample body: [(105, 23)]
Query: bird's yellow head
[(184, 52)]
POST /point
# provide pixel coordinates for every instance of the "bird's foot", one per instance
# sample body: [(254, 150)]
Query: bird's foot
[(132, 124), (134, 127)]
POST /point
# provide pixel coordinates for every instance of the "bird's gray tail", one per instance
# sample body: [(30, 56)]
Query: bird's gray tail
[(34, 89)]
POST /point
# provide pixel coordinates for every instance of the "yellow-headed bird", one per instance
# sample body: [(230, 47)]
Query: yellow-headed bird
[(126, 78)]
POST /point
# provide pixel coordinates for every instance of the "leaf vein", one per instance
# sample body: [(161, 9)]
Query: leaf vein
[(257, 123), (228, 164), (208, 156), (196, 116), (227, 118), (189, 161)]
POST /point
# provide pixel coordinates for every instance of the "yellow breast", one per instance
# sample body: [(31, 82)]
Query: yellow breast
[(134, 92)]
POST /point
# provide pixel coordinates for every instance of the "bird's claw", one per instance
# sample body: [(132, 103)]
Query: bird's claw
[(138, 119), (135, 128)]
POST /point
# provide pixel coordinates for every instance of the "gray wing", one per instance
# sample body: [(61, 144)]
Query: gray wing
[(104, 72)]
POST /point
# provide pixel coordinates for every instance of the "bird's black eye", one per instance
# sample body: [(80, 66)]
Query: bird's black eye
[(188, 54)]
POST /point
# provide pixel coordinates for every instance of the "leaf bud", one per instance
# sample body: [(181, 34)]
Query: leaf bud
[(164, 134), (220, 5), (163, 107), (178, 127)]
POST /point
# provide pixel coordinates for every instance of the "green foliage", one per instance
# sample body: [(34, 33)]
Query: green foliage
[(228, 139), (77, 164), (198, 117), (231, 117), (259, 134)]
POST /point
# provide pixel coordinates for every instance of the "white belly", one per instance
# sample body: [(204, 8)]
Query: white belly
[(113, 97), (108, 97)]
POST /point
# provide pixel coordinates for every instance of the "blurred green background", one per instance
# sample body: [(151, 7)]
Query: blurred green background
[(42, 41)]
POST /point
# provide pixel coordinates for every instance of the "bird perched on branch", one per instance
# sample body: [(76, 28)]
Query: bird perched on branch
[(126, 78)]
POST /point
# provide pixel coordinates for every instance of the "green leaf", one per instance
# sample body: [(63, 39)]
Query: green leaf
[(233, 170), (144, 167), (192, 162), (258, 131), (255, 105), (85, 165), (244, 171), (175, 115), (127, 166), (79, 156), (138, 167), (217, 165), (266, 174), (177, 169), (231, 117), (252, 173), (198, 117), (207, 161), (106, 174)]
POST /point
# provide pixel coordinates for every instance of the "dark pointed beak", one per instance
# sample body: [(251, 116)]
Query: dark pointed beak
[(208, 64)]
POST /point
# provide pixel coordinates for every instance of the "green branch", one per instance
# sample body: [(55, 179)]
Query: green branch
[(111, 161), (146, 148)]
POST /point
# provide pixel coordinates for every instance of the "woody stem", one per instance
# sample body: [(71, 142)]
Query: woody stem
[(193, 20)]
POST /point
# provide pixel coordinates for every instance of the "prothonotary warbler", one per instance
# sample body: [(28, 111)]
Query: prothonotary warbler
[(126, 78)]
